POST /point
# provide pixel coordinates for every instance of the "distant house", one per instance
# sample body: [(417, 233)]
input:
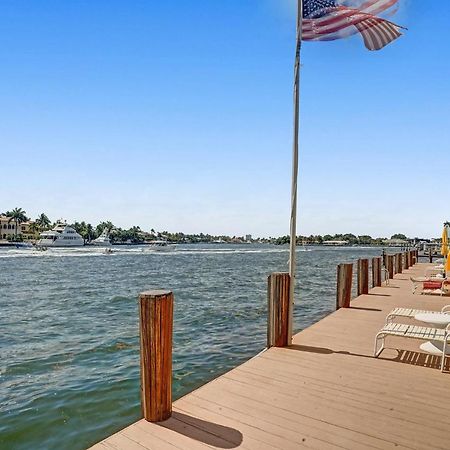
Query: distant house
[(8, 229), (335, 243)]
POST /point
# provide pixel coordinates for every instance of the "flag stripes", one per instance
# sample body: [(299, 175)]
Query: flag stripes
[(335, 22)]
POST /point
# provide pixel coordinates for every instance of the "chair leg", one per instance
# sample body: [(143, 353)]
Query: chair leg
[(377, 351), (444, 354)]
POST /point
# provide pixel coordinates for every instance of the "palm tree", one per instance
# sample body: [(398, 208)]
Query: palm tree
[(17, 215), (34, 228), (89, 232), (104, 225), (43, 221)]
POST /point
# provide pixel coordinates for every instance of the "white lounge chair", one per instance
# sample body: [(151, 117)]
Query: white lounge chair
[(410, 313), (438, 335)]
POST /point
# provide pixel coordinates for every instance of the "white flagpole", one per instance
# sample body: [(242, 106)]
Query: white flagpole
[(293, 228)]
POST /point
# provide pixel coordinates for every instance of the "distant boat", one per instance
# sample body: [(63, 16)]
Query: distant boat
[(60, 236), (304, 248), (160, 245), (24, 245), (103, 240)]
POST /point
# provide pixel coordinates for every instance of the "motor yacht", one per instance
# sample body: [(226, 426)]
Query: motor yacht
[(62, 235)]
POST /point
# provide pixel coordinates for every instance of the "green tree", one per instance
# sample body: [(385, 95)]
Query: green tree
[(365, 239), (102, 226), (43, 222), (34, 228), (89, 232), (399, 236), (18, 216)]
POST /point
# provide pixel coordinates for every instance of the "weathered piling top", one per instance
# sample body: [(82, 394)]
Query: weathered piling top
[(326, 391)]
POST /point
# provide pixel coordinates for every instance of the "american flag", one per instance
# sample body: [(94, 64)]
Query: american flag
[(327, 20)]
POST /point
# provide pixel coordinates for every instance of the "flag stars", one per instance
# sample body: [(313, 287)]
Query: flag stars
[(317, 8)]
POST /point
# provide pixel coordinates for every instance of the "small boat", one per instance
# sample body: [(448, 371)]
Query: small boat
[(160, 245), (103, 240), (24, 245)]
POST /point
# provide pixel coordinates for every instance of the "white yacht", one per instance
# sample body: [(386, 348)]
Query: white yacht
[(103, 240), (60, 236)]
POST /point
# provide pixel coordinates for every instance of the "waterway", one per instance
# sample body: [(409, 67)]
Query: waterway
[(69, 348)]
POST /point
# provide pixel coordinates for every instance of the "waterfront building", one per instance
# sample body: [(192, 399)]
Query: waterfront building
[(8, 229)]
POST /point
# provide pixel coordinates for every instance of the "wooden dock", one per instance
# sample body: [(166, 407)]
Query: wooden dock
[(326, 391)]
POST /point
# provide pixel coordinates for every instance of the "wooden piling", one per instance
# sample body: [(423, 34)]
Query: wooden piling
[(363, 276), (384, 258), (430, 254), (156, 325), (405, 260), (390, 266), (344, 285), (399, 263), (278, 285), (376, 271)]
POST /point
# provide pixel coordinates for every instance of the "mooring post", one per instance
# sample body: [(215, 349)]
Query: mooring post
[(405, 260), (399, 263), (384, 258), (376, 271), (390, 265), (363, 276), (344, 285), (430, 255), (278, 286), (156, 326)]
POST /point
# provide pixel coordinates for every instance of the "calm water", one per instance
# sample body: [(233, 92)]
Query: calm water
[(69, 350)]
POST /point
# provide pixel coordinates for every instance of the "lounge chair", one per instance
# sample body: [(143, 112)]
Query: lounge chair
[(433, 285), (411, 313), (438, 335), (444, 288)]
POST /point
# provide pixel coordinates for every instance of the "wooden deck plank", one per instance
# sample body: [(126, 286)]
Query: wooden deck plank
[(354, 387), (400, 431), (388, 408), (326, 391), (254, 411), (262, 428)]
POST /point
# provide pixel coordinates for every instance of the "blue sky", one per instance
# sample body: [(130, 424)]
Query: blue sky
[(177, 115)]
